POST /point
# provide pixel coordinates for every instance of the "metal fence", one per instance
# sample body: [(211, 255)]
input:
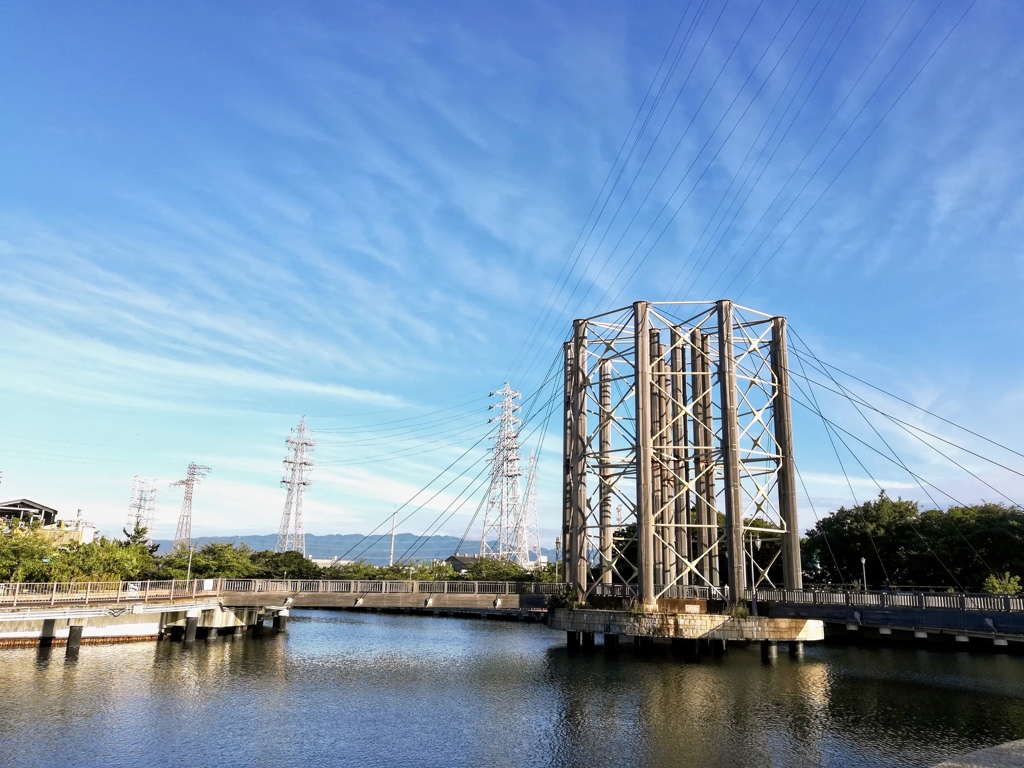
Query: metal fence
[(85, 592), (14, 594)]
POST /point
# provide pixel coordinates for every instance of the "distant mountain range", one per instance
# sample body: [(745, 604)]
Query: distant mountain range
[(354, 546)]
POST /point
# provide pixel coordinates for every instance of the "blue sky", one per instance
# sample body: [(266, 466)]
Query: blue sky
[(217, 218)]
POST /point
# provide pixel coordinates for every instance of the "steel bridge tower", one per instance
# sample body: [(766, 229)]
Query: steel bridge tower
[(680, 413), (504, 531), (183, 535), (297, 464)]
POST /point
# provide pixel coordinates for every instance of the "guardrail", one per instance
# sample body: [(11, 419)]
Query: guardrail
[(895, 599), (885, 599), (14, 594)]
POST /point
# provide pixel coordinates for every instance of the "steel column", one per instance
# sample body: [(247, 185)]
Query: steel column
[(680, 457), (644, 454), (567, 466), (577, 534), (730, 452), (605, 463), (792, 575)]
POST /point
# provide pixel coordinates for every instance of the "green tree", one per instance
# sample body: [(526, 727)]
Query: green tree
[(357, 570), (214, 560), (101, 560), (280, 565), (879, 530), (1002, 585), (24, 556), (497, 569)]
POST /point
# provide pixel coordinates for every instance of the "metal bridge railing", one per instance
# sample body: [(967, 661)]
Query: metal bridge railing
[(16, 594)]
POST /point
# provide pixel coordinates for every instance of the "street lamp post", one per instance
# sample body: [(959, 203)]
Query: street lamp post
[(558, 555), (864, 573)]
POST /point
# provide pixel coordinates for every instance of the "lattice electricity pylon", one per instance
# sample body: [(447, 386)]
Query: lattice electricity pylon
[(297, 464), (531, 524), (677, 412), (142, 508), (502, 534), (183, 535)]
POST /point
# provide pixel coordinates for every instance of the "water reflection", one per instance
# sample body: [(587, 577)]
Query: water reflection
[(366, 690)]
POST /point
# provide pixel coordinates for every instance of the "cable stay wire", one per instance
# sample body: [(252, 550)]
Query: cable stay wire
[(413, 435), (831, 427), (579, 303), (367, 538), (643, 163), (566, 270), (853, 494), (446, 514), (913, 428), (907, 469), (704, 258), (643, 260), (849, 160), (419, 492), (925, 411), (396, 408), (817, 520), (383, 425), (824, 129)]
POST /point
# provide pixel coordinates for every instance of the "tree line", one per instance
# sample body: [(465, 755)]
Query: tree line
[(970, 548), (28, 555)]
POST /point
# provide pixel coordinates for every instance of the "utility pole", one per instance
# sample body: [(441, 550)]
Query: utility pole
[(183, 535), (297, 464)]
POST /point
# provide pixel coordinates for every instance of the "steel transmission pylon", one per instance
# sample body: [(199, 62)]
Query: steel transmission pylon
[(183, 535), (504, 513), (531, 525), (298, 463), (142, 509)]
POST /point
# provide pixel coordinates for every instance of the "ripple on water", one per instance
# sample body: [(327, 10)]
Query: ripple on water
[(372, 690)]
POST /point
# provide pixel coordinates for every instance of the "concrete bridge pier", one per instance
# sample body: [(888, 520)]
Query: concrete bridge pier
[(74, 639), (280, 621), (191, 623), (796, 649), (611, 644), (588, 640), (769, 651), (46, 634)]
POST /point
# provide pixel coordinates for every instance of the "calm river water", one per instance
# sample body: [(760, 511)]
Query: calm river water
[(370, 690)]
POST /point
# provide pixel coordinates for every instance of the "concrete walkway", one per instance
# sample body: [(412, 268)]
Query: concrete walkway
[(1009, 755)]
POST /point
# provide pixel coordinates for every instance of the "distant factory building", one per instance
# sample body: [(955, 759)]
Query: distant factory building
[(25, 512)]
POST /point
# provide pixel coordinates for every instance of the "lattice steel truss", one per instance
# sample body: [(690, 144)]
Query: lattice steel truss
[(677, 412), (183, 534), (291, 535), (142, 508), (531, 523), (504, 532)]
